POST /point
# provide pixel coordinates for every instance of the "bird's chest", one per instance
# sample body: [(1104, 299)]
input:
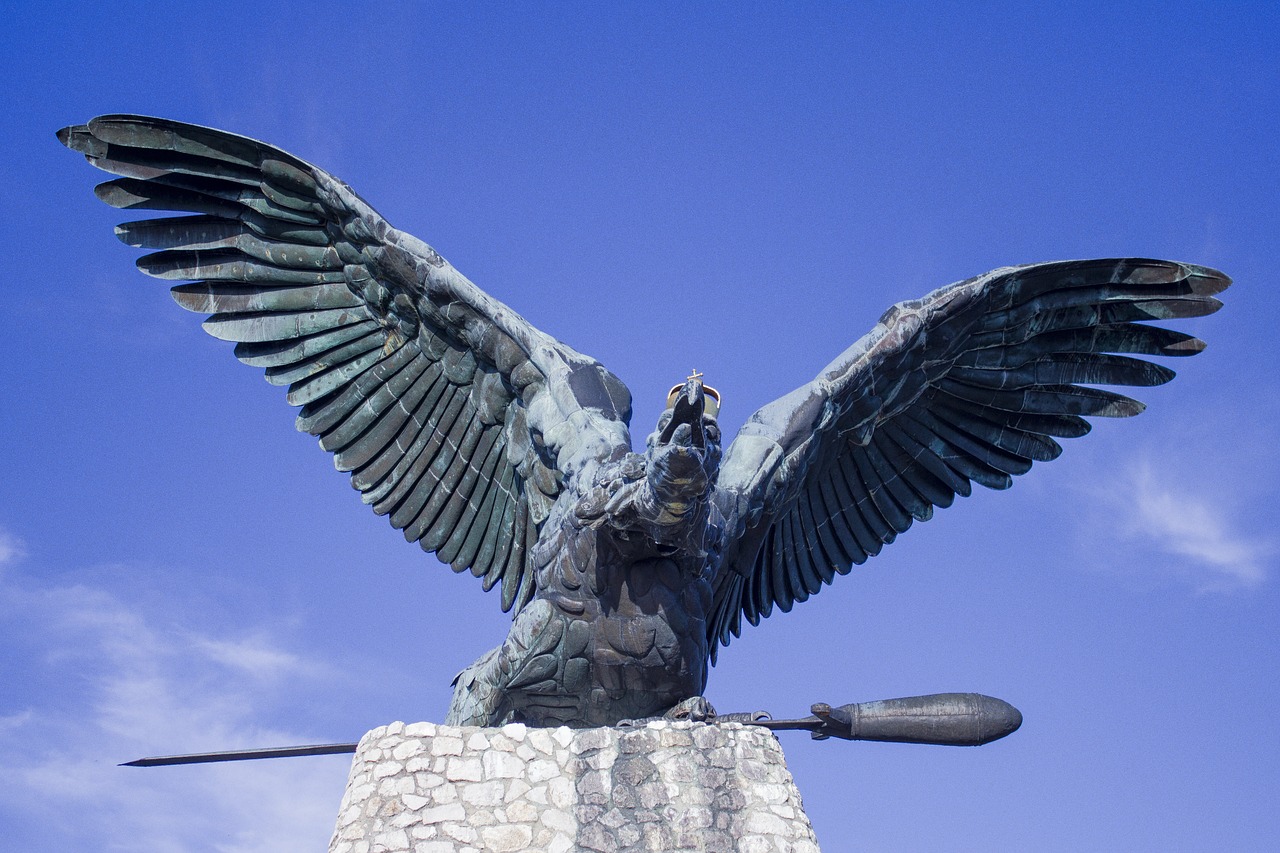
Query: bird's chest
[(645, 615), (601, 574)]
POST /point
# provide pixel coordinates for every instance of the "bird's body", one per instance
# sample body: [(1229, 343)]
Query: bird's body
[(508, 454), (618, 627), (618, 632)]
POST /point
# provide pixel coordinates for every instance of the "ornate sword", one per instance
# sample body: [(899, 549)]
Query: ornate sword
[(949, 719)]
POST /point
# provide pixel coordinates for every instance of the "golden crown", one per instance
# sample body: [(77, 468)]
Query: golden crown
[(711, 404)]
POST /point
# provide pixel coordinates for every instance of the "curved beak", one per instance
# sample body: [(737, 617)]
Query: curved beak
[(685, 427)]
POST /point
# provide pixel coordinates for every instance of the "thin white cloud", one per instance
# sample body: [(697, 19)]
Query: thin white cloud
[(1196, 531), (11, 548), (1192, 527), (106, 680), (254, 656), (14, 721)]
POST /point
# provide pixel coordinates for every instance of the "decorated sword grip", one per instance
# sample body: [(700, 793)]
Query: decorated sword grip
[(951, 719)]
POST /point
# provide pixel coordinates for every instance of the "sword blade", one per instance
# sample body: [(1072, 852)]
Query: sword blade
[(955, 719), (245, 755)]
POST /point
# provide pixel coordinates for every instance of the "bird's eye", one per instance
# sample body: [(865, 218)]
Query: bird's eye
[(712, 430), (663, 421)]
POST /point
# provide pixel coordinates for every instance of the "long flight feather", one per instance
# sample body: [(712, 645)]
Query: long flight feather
[(296, 373), (1049, 399), (924, 448), (1066, 369), (378, 413), (332, 378), (219, 298), (278, 326), (291, 350)]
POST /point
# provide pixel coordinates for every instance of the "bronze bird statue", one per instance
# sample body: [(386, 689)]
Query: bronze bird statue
[(508, 455)]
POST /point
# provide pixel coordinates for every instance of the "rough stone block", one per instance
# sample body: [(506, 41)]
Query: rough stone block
[(666, 786)]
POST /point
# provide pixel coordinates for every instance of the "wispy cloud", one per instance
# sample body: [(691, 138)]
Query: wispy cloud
[(252, 655), (11, 548), (1192, 527), (1202, 539), (106, 680)]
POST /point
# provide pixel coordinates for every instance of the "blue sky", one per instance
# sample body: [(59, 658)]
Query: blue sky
[(741, 188)]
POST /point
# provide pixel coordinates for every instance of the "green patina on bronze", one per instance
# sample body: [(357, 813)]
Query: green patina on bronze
[(508, 454)]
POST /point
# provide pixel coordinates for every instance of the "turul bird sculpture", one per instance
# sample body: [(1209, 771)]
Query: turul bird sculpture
[(507, 454)]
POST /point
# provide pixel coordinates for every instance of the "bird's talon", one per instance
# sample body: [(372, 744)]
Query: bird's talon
[(694, 709)]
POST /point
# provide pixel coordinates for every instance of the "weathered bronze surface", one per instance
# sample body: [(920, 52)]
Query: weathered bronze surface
[(508, 454)]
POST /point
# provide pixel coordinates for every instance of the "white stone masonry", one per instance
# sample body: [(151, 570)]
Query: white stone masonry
[(666, 787)]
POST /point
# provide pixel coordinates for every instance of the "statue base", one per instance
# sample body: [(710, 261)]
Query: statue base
[(661, 787)]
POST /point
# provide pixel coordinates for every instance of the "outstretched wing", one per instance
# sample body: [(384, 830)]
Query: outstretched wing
[(456, 418), (970, 384)]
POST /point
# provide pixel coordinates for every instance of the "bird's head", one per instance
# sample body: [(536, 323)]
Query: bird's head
[(684, 449)]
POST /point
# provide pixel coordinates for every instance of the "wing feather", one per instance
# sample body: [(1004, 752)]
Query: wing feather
[(206, 233), (828, 553), (332, 378), (432, 525), (404, 501), (893, 467), (1051, 399), (479, 535), (444, 404), (931, 453), (841, 519), (293, 350), (375, 416), (781, 594), (971, 384), (299, 372), (834, 537), (456, 515), (515, 567), (797, 554), (495, 555), (372, 458), (474, 509), (222, 298), (887, 515), (857, 514)]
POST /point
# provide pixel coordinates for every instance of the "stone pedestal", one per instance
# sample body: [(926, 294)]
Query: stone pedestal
[(663, 787)]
